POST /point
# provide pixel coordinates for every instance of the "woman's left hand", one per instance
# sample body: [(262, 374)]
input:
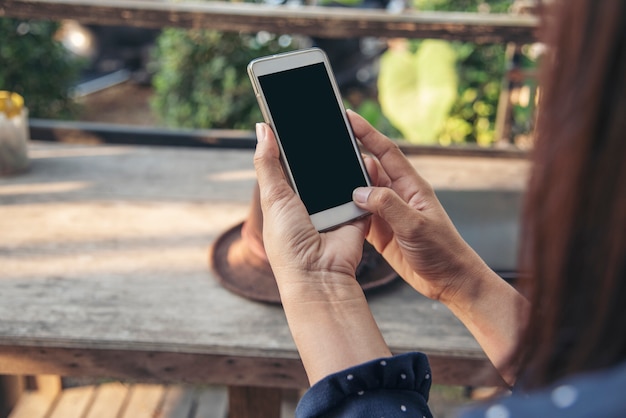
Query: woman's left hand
[(326, 309), (322, 265)]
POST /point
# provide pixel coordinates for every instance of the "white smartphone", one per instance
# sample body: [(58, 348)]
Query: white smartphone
[(300, 100)]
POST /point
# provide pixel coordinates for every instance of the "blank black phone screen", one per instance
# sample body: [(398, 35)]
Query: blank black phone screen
[(315, 139)]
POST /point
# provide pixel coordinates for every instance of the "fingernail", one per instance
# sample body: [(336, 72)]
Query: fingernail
[(260, 132), (360, 194)]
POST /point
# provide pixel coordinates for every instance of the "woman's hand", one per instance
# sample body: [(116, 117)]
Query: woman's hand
[(409, 227), (327, 312), (298, 254)]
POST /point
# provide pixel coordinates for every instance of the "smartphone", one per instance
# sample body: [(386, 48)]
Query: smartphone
[(300, 100)]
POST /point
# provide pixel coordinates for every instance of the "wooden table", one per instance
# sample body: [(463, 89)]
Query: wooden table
[(104, 273)]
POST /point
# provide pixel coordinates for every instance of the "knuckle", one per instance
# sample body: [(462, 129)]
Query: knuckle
[(259, 158), (428, 188), (383, 199), (392, 148), (271, 196)]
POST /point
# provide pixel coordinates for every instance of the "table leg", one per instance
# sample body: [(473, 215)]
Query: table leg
[(249, 402)]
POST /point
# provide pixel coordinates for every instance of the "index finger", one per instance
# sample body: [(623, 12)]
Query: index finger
[(393, 161)]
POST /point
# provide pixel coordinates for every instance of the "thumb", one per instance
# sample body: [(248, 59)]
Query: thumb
[(385, 203), (269, 171)]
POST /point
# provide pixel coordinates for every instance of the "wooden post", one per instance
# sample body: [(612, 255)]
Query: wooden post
[(505, 108), (11, 387), (249, 402)]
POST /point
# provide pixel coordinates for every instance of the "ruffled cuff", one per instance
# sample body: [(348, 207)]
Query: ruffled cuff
[(391, 387)]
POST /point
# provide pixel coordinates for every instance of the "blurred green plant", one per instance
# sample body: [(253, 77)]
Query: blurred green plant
[(201, 79), (473, 115), (493, 6), (36, 66), (433, 92), (469, 117)]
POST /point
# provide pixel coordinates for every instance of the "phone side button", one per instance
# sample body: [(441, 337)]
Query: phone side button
[(263, 111)]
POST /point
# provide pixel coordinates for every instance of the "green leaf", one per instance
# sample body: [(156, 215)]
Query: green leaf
[(417, 90)]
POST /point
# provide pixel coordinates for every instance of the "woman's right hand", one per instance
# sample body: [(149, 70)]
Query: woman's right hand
[(409, 227)]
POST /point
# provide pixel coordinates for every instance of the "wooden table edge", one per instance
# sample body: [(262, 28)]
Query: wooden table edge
[(205, 368)]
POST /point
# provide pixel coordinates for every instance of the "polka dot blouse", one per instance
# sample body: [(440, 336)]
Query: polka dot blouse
[(386, 388), (398, 387)]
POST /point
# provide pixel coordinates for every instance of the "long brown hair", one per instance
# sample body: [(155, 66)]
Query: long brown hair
[(574, 230)]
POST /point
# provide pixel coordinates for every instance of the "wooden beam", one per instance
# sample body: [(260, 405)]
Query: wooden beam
[(228, 370), (111, 133), (154, 366), (304, 20)]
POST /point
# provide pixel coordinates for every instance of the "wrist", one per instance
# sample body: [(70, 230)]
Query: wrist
[(333, 336), (492, 310), (318, 287), (330, 321), (468, 278)]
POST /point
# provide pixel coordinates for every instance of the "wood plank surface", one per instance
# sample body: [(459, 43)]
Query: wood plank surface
[(32, 405), (73, 402), (105, 272), (211, 403), (305, 20), (120, 400), (40, 397), (178, 403), (145, 401), (109, 400)]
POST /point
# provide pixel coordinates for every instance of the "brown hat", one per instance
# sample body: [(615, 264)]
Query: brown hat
[(239, 262)]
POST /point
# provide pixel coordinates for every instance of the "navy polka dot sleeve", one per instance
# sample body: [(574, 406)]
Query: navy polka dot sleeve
[(391, 387)]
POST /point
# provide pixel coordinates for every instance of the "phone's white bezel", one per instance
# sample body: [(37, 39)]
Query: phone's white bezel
[(338, 215)]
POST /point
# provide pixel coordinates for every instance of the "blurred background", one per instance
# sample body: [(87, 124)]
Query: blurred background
[(427, 92)]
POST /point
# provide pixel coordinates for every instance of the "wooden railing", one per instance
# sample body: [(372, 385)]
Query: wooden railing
[(327, 22), (286, 19)]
